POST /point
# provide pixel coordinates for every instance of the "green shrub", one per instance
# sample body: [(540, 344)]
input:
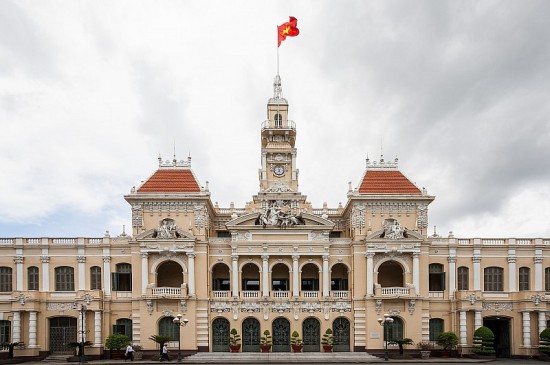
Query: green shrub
[(116, 341), (544, 341), (234, 337), (295, 339), (328, 338), (483, 341), (447, 340)]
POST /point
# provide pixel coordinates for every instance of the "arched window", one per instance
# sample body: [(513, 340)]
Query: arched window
[(32, 278), (436, 327), (5, 327), (436, 278), (122, 278), (463, 276), (493, 279), (95, 278), (5, 279), (278, 120), (64, 278), (524, 278), (168, 328), (123, 326), (394, 330), (547, 279)]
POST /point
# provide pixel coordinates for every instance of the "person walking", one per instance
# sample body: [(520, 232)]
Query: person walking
[(164, 355), (129, 353)]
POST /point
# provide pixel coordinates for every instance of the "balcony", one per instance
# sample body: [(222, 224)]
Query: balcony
[(280, 294), (341, 294), (247, 294), (284, 124), (394, 291), (166, 292), (220, 294), (310, 294)]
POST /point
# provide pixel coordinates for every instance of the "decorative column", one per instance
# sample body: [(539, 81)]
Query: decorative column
[(32, 329), (542, 321), (452, 274), (45, 273), (370, 274), (235, 275), (416, 272), (264, 165), (512, 272), (478, 322), (97, 328), (144, 272), (265, 276), (82, 272), (294, 172), (295, 274), (326, 277), (463, 329), (538, 272), (107, 274), (191, 268), (526, 319), (16, 326), (477, 271), (18, 273)]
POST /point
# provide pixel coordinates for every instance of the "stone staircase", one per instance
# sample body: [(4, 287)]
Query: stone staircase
[(57, 358), (280, 357)]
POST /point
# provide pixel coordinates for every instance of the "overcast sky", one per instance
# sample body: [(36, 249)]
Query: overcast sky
[(92, 91)]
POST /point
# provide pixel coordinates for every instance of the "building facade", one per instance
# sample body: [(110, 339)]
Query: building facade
[(276, 264)]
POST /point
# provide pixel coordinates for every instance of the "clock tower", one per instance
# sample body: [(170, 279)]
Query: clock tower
[(278, 174)]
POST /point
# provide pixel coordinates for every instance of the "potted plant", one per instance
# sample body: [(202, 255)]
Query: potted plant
[(447, 340), (426, 348), (115, 343), (234, 340), (265, 341), (161, 340), (484, 342), (296, 342), (138, 352), (544, 343), (327, 341), (401, 342)]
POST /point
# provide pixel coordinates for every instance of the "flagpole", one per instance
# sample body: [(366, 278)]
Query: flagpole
[(277, 33)]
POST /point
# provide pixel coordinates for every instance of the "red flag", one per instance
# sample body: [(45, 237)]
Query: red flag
[(288, 29)]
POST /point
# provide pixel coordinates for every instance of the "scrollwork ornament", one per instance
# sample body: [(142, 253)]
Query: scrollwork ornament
[(220, 307), (18, 259), (537, 298), (150, 307)]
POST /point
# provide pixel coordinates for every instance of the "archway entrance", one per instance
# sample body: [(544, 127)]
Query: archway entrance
[(340, 331), (501, 328), (220, 335), (281, 335), (62, 332), (312, 335), (390, 274), (251, 335), (170, 275)]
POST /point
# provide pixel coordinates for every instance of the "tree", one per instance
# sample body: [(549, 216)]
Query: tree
[(544, 342), (161, 340), (402, 342), (10, 346), (483, 341), (116, 341), (447, 340)]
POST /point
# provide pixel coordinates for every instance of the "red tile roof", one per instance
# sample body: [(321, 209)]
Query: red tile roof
[(171, 181), (387, 182)]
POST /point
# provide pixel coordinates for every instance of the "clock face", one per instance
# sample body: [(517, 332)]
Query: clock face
[(278, 170)]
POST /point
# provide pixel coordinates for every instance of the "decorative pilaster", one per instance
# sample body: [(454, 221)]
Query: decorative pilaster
[(16, 327), (32, 329), (463, 329), (18, 273), (295, 276), (526, 320), (416, 272), (107, 275), (191, 263), (478, 322), (235, 276), (144, 272), (265, 276), (370, 274), (477, 271), (538, 273), (82, 272), (512, 287), (97, 328), (326, 278), (45, 273), (452, 274), (542, 321)]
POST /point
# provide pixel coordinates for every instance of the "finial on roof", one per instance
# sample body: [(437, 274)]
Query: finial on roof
[(160, 160), (277, 92)]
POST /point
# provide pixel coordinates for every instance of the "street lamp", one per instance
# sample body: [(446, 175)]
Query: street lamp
[(180, 322), (385, 322), (82, 333)]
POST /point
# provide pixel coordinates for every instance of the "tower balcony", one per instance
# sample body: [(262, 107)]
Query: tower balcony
[(279, 125)]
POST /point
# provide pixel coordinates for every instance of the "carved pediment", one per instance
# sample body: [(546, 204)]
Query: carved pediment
[(407, 234), (153, 234), (257, 220)]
